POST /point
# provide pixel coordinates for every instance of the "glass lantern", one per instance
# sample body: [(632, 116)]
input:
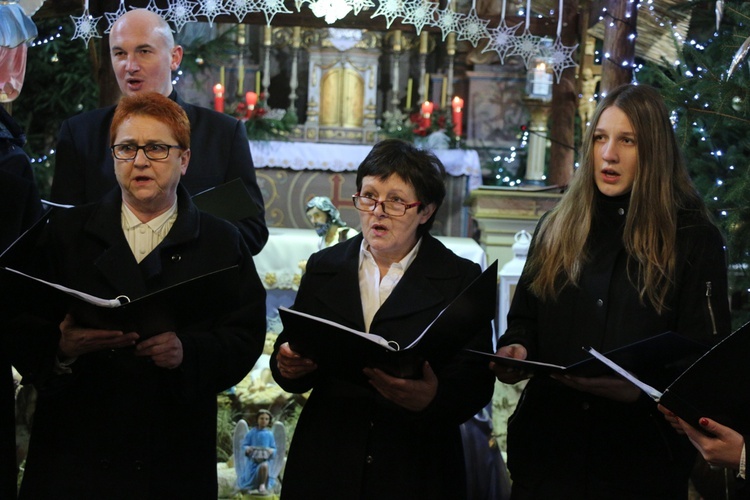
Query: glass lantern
[(539, 76)]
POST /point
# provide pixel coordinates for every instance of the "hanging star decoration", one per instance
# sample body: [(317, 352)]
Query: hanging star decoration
[(211, 9), (114, 16), (526, 46), (85, 26), (330, 10), (391, 9), (472, 28), (501, 39), (241, 8), (360, 5), (181, 12), (155, 8), (448, 21), (561, 57), (419, 13), (272, 7)]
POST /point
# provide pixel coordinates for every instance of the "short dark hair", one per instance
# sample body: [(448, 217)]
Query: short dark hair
[(420, 168)]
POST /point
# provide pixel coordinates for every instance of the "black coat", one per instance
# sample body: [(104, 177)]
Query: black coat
[(84, 168), (20, 208), (564, 443), (349, 442), (118, 426)]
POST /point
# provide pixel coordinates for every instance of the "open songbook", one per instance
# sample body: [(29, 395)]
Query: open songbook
[(650, 358), (343, 352), (168, 309), (716, 386)]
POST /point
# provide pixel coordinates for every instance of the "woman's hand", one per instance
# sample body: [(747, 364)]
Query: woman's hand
[(672, 419), (412, 394), (76, 340), (291, 365), (510, 375), (611, 387), (724, 448), (165, 350)]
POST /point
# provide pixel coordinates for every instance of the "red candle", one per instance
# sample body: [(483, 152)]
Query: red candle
[(458, 115), (427, 108), (219, 97), (251, 99)]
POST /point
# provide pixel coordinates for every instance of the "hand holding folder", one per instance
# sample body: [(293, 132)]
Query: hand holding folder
[(344, 352), (649, 358), (716, 386)]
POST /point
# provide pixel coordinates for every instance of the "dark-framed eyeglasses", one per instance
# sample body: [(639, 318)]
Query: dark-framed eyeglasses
[(392, 208), (152, 151)]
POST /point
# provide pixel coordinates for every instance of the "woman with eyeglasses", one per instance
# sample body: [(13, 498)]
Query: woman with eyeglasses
[(124, 412), (385, 437)]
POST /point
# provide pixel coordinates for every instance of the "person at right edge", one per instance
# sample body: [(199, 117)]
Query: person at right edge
[(630, 252), (386, 437)]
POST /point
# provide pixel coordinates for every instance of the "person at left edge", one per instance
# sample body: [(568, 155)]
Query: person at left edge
[(20, 207), (119, 416), (143, 55)]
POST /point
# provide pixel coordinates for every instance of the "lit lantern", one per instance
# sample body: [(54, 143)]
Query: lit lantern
[(539, 79)]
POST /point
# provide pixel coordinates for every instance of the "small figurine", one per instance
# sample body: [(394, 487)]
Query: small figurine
[(326, 219), (259, 450)]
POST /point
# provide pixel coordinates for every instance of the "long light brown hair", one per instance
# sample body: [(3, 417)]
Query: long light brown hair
[(661, 189)]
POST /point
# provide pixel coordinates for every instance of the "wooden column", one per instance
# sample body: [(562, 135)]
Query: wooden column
[(619, 24)]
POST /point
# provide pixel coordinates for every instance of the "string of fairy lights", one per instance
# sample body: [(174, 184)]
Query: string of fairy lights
[(502, 39)]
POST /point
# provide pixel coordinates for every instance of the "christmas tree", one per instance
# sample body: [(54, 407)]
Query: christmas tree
[(708, 90)]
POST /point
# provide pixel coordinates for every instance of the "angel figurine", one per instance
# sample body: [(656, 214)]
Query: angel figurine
[(258, 460)]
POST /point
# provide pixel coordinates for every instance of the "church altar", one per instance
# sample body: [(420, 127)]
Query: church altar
[(347, 157), (281, 263), (290, 173)]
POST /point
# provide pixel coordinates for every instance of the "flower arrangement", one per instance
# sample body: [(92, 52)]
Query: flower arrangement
[(427, 130), (262, 123)]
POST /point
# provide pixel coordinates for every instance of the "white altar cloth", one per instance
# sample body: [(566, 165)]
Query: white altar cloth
[(347, 157)]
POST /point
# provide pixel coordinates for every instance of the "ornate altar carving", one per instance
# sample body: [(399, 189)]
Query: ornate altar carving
[(342, 86)]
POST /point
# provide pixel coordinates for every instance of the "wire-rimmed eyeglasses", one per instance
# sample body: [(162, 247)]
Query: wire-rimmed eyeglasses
[(152, 151), (392, 208)]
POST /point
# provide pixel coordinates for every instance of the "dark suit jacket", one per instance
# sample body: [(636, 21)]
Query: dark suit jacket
[(118, 426), (349, 441), (20, 207), (84, 168)]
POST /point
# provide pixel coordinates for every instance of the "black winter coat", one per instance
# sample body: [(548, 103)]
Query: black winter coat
[(349, 441), (564, 443), (118, 426)]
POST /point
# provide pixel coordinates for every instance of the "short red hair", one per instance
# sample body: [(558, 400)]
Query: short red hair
[(156, 106)]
